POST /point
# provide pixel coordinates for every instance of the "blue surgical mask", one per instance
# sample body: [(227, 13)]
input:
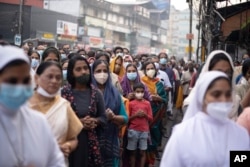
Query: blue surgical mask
[(34, 63), (163, 61), (14, 96), (132, 76), (63, 56), (64, 74)]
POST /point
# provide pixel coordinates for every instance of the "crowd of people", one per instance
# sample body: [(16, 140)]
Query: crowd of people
[(109, 108)]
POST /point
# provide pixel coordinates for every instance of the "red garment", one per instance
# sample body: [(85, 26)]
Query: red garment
[(140, 124), (193, 80)]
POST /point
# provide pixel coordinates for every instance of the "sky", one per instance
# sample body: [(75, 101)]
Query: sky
[(179, 4)]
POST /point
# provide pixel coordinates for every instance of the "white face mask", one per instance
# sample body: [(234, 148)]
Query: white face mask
[(101, 78), (151, 73), (139, 95), (44, 93), (219, 110)]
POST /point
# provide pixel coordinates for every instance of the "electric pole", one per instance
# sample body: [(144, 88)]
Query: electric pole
[(190, 28)]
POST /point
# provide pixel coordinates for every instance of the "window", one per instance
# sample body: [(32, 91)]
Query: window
[(121, 20), (104, 15), (114, 18), (109, 17), (96, 13)]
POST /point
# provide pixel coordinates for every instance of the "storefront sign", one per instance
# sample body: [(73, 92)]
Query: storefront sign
[(48, 36)]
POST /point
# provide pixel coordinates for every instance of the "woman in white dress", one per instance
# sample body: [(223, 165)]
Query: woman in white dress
[(207, 136)]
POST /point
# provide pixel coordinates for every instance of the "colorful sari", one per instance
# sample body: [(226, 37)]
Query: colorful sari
[(63, 122), (158, 108)]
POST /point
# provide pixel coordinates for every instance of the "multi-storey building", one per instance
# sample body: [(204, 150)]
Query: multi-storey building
[(103, 24), (100, 24), (178, 28)]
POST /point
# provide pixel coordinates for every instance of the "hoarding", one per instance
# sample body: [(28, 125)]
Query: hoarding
[(66, 28)]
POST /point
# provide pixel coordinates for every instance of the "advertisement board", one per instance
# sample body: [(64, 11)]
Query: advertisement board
[(66, 28)]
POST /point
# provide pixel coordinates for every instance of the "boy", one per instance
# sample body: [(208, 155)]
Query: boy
[(138, 129)]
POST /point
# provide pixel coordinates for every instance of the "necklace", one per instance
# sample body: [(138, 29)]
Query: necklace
[(18, 156)]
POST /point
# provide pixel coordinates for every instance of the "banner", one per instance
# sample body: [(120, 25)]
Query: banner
[(128, 2), (66, 28)]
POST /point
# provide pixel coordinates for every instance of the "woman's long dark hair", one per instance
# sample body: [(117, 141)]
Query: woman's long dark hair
[(71, 65)]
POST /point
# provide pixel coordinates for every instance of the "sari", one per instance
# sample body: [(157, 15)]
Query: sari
[(63, 122), (158, 108)]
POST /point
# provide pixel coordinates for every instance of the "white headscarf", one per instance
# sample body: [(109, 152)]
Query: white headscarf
[(11, 53), (201, 88), (205, 69)]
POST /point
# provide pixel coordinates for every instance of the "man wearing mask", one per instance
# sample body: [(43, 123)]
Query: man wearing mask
[(163, 66), (66, 49)]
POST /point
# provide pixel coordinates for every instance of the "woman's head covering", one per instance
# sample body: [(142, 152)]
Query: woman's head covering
[(126, 87), (112, 66), (205, 69), (111, 95), (11, 53), (201, 88), (211, 56)]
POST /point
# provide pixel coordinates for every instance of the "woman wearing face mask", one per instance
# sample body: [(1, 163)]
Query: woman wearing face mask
[(35, 60), (47, 100), (88, 104), (206, 137), (114, 78), (217, 60), (130, 78), (115, 112), (116, 67), (26, 138), (158, 104)]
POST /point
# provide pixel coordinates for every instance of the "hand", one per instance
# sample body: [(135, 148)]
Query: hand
[(89, 123), (110, 114), (131, 96), (66, 149), (156, 97), (140, 114)]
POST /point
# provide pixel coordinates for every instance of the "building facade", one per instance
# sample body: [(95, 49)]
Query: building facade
[(178, 28)]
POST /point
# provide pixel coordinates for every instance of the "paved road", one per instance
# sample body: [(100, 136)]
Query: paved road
[(177, 117)]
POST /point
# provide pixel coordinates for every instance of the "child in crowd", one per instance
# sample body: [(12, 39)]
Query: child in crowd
[(138, 129)]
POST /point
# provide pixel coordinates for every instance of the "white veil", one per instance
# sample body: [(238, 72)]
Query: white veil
[(201, 87), (205, 69)]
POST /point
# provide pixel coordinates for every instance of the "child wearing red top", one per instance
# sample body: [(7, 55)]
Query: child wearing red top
[(138, 129)]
